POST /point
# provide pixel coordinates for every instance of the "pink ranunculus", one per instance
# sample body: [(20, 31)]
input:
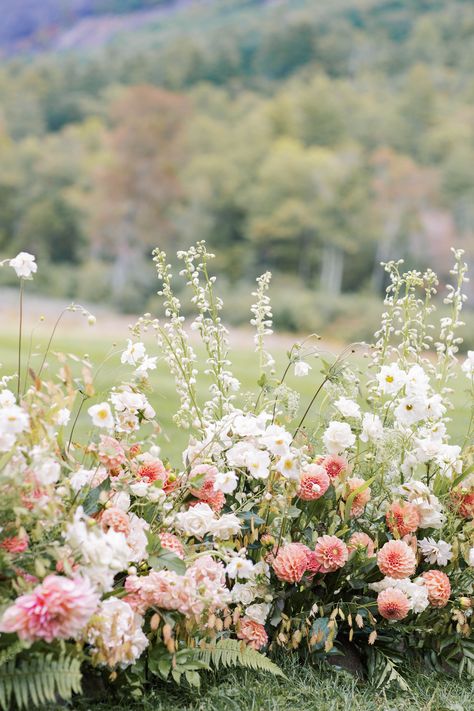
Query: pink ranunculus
[(314, 483), (253, 633), (172, 543), (393, 604), (438, 586), (330, 553), (59, 608), (396, 560), (15, 544), (291, 562)]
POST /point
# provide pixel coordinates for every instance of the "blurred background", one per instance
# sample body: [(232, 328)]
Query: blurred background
[(315, 138)]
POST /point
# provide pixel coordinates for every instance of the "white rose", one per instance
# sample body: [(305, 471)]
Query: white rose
[(258, 612), (347, 407), (225, 527), (338, 437), (244, 593), (372, 428), (197, 521)]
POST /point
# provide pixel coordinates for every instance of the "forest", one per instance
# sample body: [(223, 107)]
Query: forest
[(312, 139)]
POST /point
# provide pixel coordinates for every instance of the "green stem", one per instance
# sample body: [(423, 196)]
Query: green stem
[(19, 339)]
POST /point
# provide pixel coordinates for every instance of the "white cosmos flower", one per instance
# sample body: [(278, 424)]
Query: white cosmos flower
[(288, 465), (468, 365), (435, 552), (225, 482), (301, 369), (347, 407), (338, 437), (417, 382), (134, 353), (101, 415), (63, 416), (372, 428), (258, 612), (276, 439), (13, 420), (449, 459), (391, 379), (410, 410), (24, 265), (7, 398), (258, 463), (239, 568)]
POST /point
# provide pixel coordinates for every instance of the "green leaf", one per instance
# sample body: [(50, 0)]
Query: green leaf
[(356, 492), (168, 560)]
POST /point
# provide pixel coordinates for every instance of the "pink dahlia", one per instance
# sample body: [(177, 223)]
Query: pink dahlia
[(361, 540), (172, 543), (253, 633), (152, 471), (116, 519), (335, 465), (393, 604), (314, 483), (330, 553), (402, 518), (290, 562), (396, 560), (59, 608), (110, 452), (361, 499), (438, 586), (15, 544)]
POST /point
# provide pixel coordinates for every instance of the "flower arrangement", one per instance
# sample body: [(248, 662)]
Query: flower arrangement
[(285, 527)]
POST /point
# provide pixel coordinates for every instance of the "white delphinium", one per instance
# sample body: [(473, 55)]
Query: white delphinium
[(468, 365), (435, 552), (262, 320), (347, 407), (101, 415), (338, 437)]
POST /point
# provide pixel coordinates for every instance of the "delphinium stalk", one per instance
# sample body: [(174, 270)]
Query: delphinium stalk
[(179, 354), (212, 331), (262, 320)]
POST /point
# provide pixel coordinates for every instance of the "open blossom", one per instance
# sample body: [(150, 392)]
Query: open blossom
[(335, 465), (391, 379), (226, 526), (439, 587), (372, 428), (253, 633), (435, 552), (133, 353), (288, 465), (330, 553), (347, 407), (59, 608), (361, 499), (152, 470), (276, 439), (116, 519), (101, 415), (15, 544), (258, 463), (258, 612), (87, 477), (338, 437), (314, 483), (359, 539), (225, 482), (416, 591), (196, 521), (24, 265), (110, 452), (13, 420), (402, 518), (411, 409), (63, 416), (291, 562), (396, 559), (393, 604), (301, 368), (239, 568), (115, 634)]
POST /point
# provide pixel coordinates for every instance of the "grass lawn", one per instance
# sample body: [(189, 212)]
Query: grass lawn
[(306, 688)]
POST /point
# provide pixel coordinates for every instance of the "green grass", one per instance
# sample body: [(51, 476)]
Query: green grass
[(305, 689)]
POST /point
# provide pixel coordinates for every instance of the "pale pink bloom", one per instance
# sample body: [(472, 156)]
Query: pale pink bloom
[(116, 519), (15, 544), (291, 562), (253, 633), (110, 452), (335, 465), (402, 518), (314, 483), (439, 587), (172, 543), (361, 540), (393, 604), (361, 499), (151, 471), (59, 608), (396, 560), (330, 553)]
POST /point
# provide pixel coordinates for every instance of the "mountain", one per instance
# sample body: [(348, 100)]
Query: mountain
[(39, 24)]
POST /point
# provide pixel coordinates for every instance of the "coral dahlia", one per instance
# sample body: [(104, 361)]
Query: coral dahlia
[(439, 587), (330, 553), (397, 560), (393, 604), (402, 518)]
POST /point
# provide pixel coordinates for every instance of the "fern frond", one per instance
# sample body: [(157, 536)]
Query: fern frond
[(11, 651), (231, 653), (37, 681)]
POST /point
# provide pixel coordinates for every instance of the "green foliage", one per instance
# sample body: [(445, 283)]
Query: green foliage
[(38, 680), (231, 653)]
